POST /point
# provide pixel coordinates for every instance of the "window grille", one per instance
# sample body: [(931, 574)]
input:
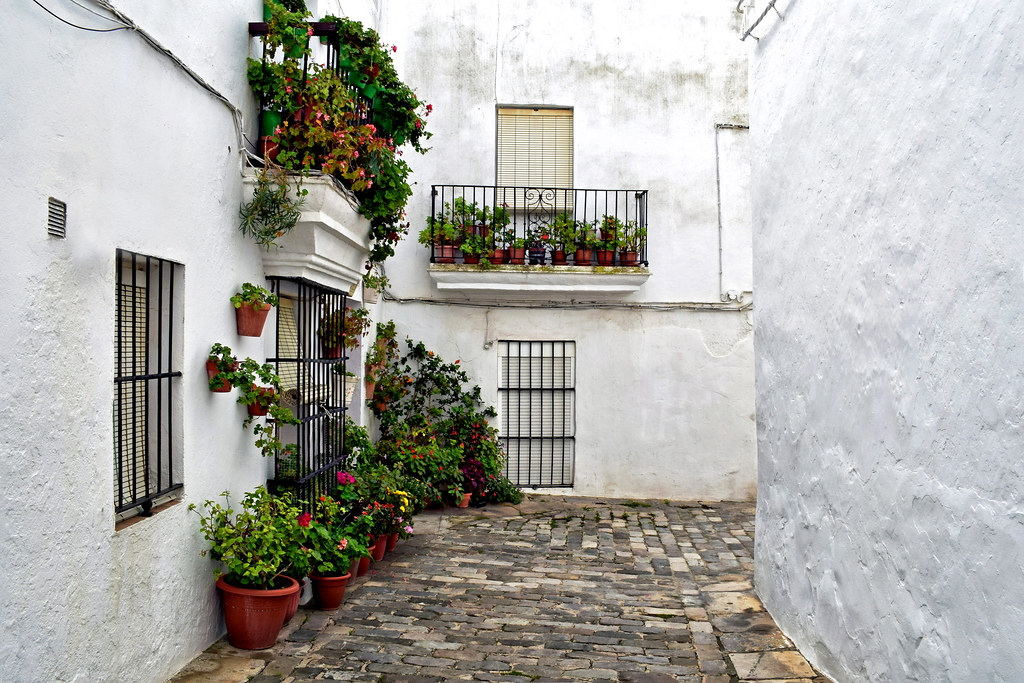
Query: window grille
[(147, 458), (534, 147), (314, 388), (537, 399)]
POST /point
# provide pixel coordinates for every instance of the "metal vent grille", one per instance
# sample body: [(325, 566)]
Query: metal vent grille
[(57, 218)]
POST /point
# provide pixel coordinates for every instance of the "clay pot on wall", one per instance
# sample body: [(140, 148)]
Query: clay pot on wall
[(250, 321)]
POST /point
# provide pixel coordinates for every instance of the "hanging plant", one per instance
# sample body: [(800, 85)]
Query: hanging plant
[(271, 213)]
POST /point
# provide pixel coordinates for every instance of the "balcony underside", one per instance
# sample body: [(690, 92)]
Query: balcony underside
[(330, 243), (536, 282)]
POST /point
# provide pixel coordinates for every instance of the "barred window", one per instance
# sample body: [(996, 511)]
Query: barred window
[(537, 398), (146, 411), (316, 388)]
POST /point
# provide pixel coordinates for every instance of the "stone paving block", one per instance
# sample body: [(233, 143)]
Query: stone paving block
[(768, 665)]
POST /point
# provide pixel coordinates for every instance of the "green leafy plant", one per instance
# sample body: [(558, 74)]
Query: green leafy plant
[(253, 296), (271, 213), (343, 327), (333, 539), (255, 545)]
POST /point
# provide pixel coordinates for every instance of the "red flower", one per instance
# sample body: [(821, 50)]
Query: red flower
[(394, 48), (304, 519)]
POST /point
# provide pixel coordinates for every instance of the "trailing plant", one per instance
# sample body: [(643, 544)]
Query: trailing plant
[(271, 213), (251, 379), (343, 327), (255, 545), (325, 128), (254, 296)]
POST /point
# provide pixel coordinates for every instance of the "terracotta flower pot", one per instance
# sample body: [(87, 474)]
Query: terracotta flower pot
[(500, 256), (558, 257), (249, 322), (392, 541), (517, 256), (377, 550), (464, 503), (583, 257), (211, 370), (333, 351), (293, 603), (444, 253), (255, 617), (329, 591), (364, 566), (629, 259), (605, 257), (259, 409), (471, 259)]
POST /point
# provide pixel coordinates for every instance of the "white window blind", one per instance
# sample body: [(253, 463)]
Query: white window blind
[(130, 404), (535, 147)]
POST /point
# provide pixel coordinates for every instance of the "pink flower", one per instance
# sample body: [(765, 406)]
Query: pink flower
[(309, 31), (408, 529), (304, 519), (394, 48), (343, 544)]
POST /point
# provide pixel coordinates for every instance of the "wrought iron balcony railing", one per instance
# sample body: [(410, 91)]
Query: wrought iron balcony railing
[(536, 226)]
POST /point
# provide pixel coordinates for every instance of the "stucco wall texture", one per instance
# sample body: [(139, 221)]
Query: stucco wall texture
[(665, 400), (888, 261), (146, 161)]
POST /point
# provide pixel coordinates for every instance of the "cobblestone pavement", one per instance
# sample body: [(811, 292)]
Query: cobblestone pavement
[(564, 589)]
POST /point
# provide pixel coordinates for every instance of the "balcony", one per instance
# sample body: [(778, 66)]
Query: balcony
[(537, 241), (331, 241)]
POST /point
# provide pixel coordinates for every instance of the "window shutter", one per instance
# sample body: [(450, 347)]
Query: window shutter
[(535, 147)]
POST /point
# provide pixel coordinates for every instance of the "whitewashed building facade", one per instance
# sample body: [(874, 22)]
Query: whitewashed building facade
[(124, 177)]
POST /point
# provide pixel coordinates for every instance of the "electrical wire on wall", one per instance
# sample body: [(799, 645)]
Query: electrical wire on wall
[(126, 24)]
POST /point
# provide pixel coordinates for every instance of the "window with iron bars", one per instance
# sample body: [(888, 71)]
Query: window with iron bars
[(315, 388), (537, 399), (147, 401)]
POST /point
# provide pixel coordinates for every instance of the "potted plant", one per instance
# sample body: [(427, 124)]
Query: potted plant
[(253, 547), (563, 232), (220, 366), (633, 241), (342, 329), (538, 241), (610, 226), (252, 305), (333, 542), (271, 213), (586, 241), (474, 480), (475, 247), (442, 237)]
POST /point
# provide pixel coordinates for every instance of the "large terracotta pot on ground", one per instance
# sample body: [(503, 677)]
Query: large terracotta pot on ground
[(255, 617), (329, 591), (377, 549), (250, 322), (392, 541)]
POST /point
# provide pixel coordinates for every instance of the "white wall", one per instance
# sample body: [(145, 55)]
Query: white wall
[(888, 261), (146, 161), (648, 82)]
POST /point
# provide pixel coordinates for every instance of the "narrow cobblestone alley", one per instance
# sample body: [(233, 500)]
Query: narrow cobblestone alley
[(553, 589)]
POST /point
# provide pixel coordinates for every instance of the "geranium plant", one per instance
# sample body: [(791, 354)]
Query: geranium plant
[(254, 296), (255, 545)]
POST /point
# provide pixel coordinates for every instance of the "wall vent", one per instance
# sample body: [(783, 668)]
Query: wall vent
[(57, 218)]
